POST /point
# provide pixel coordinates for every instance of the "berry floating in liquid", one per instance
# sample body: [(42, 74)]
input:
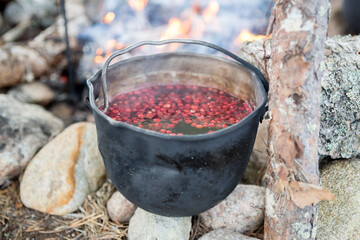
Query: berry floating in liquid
[(179, 109)]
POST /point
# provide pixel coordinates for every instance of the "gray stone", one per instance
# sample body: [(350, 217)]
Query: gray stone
[(148, 226), (340, 219), (242, 210), (35, 92), (20, 10), (62, 173), (225, 234), (24, 129), (340, 99), (119, 208)]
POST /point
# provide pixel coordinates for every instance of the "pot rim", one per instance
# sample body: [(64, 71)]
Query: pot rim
[(256, 74)]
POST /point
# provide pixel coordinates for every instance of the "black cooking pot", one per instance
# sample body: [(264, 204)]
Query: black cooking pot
[(351, 9), (176, 175)]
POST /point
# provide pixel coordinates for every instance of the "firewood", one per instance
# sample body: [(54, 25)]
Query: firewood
[(24, 62), (298, 38), (17, 31)]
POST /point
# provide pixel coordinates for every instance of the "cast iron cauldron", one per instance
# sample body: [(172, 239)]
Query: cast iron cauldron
[(176, 175), (351, 9)]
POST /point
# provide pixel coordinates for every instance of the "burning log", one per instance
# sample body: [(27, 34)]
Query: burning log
[(299, 34), (20, 62)]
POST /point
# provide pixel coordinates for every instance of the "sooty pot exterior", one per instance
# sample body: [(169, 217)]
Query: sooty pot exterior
[(175, 176)]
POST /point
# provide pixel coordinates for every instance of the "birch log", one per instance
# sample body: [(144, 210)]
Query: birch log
[(299, 33)]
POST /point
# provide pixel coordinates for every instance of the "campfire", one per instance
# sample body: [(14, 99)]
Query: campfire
[(122, 24)]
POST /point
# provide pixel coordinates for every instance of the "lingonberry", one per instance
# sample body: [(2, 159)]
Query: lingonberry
[(179, 109)]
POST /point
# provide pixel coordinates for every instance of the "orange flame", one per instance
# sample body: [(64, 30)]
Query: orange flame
[(209, 13), (110, 47), (177, 28), (109, 17), (246, 36), (98, 59), (119, 46), (99, 51), (138, 5)]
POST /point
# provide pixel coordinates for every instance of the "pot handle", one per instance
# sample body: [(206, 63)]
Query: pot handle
[(184, 41)]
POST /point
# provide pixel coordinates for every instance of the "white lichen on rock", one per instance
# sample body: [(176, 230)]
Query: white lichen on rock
[(340, 100)]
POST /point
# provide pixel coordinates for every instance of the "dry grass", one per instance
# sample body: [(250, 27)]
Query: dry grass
[(198, 228), (91, 221)]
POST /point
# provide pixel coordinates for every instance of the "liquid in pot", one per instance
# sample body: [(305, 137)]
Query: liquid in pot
[(179, 109)]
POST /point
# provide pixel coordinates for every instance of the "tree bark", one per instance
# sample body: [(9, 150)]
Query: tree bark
[(23, 62), (299, 33)]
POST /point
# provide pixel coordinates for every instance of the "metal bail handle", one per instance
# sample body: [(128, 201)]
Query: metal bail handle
[(169, 41)]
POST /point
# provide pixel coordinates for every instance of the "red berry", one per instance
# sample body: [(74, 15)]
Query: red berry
[(201, 107)]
